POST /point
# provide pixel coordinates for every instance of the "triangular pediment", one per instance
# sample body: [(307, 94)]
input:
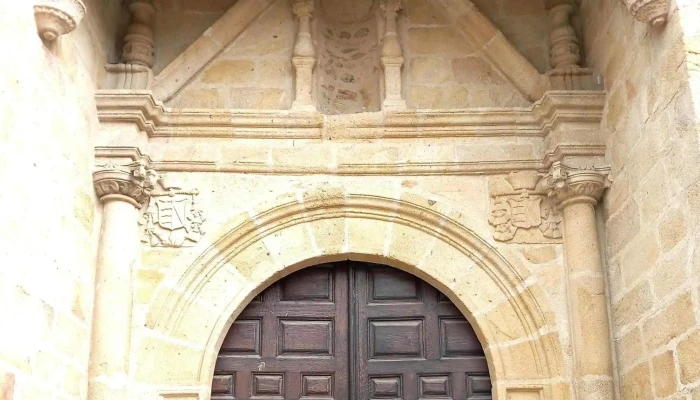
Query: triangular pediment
[(455, 57)]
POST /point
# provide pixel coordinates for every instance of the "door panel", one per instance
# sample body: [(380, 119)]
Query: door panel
[(291, 343), (351, 331), (413, 342)]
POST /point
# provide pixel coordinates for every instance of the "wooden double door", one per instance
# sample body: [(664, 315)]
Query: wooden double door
[(351, 331)]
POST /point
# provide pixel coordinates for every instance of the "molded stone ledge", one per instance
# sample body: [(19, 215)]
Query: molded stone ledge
[(583, 108)]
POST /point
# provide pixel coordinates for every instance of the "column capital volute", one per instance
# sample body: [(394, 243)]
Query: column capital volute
[(131, 183), (569, 185)]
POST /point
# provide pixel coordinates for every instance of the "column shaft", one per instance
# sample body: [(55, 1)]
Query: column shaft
[(109, 357), (590, 328), (123, 190), (577, 191)]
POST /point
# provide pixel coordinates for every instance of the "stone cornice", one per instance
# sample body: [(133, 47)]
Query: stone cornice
[(569, 185), (131, 183), (157, 120)]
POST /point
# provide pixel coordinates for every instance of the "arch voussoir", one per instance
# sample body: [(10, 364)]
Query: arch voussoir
[(406, 230)]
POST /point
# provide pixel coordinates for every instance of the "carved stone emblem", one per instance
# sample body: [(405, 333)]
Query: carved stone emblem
[(172, 218), (521, 211)]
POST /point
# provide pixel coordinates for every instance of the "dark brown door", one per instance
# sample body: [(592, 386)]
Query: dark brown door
[(351, 331)]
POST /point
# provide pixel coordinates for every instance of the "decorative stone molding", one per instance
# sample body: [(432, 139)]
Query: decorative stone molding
[(303, 55), (567, 185), (392, 57), (521, 212), (152, 117), (654, 12), (131, 183), (55, 18), (172, 218)]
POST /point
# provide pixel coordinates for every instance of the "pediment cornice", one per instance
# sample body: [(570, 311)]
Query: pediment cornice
[(156, 120), (561, 126)]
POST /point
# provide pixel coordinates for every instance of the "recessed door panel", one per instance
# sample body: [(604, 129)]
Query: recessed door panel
[(351, 331)]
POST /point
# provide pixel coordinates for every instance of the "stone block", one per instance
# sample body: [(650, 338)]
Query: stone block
[(430, 70), (186, 362), (671, 272), (275, 73), (540, 254), (669, 322), (630, 348), (198, 98), (229, 72), (664, 370), (147, 280), (635, 384), (259, 98), (437, 40), (689, 358), (639, 257), (475, 70), (630, 307), (424, 12)]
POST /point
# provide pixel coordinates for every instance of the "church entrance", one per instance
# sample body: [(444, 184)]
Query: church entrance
[(351, 330)]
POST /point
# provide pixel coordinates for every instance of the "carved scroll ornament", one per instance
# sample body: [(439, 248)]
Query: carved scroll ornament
[(172, 218), (654, 12), (521, 211), (131, 183), (57, 17), (567, 185)]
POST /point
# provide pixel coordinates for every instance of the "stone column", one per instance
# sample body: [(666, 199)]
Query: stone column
[(123, 190), (392, 57), (576, 192), (304, 55)]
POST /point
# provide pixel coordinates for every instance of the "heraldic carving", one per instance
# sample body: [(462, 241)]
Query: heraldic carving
[(521, 211), (172, 218)]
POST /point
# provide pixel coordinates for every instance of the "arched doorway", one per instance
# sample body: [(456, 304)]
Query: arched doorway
[(351, 330)]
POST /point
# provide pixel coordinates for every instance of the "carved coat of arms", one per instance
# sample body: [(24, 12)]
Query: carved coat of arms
[(172, 218), (521, 211)]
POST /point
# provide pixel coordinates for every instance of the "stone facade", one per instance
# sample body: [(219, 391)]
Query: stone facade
[(165, 161)]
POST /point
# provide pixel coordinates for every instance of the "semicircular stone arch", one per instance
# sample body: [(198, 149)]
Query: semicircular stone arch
[(195, 306)]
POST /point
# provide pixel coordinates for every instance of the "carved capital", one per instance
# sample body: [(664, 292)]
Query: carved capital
[(392, 6), (57, 17), (131, 183), (654, 12), (575, 185), (303, 8)]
